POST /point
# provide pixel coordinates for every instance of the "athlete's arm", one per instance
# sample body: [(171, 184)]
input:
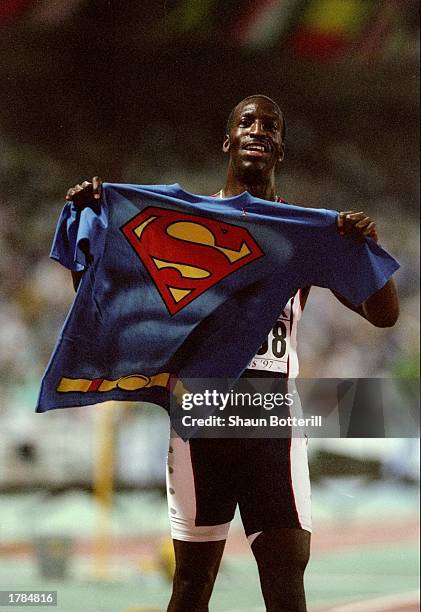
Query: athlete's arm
[(83, 195), (382, 308)]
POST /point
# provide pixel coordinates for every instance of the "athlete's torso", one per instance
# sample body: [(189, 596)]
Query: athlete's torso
[(278, 354)]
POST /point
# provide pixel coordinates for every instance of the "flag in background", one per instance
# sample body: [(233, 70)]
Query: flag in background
[(187, 18), (313, 30), (328, 28)]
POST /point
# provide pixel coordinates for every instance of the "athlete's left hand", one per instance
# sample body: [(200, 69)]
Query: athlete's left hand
[(358, 225)]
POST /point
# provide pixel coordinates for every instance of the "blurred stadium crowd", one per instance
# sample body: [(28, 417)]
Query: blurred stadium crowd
[(135, 92)]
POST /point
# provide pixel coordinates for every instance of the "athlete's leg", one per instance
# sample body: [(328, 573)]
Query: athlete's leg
[(197, 565), (282, 555), (201, 503), (275, 509)]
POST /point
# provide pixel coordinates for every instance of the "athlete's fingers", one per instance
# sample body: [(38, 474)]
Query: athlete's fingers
[(72, 191), (356, 224), (362, 229), (349, 223), (357, 228), (363, 223), (342, 215), (96, 187), (83, 193), (340, 220), (355, 216), (371, 229), (374, 235)]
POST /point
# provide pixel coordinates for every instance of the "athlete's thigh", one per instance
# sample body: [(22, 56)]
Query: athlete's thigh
[(199, 559), (201, 488), (274, 488)]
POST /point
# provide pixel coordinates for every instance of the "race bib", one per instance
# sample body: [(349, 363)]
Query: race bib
[(274, 353)]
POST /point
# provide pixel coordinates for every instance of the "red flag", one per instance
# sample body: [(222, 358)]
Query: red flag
[(329, 27)]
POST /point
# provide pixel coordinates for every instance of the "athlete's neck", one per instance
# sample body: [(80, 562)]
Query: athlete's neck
[(264, 189)]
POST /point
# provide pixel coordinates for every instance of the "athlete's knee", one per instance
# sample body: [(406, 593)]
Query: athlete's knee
[(297, 560), (285, 550), (190, 577), (284, 570), (195, 578), (191, 590)]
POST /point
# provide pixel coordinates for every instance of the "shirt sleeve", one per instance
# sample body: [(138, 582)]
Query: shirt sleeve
[(80, 236), (353, 269)]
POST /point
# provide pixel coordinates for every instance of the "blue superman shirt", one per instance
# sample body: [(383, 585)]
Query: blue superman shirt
[(183, 285)]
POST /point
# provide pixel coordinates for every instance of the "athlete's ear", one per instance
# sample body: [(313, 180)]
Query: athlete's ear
[(281, 153), (226, 144)]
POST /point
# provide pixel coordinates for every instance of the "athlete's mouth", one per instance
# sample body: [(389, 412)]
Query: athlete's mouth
[(255, 146), (256, 149)]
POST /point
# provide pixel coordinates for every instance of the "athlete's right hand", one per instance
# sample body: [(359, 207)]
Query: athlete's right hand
[(86, 193)]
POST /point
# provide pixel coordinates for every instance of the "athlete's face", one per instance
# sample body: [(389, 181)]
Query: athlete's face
[(255, 142)]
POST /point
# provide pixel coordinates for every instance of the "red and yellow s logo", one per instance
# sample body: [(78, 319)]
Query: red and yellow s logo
[(186, 254)]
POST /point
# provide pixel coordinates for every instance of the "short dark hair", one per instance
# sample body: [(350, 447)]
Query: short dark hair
[(281, 114)]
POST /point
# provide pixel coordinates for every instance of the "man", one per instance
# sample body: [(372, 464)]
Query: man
[(267, 478)]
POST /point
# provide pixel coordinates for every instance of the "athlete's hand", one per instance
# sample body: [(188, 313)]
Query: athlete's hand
[(86, 193), (358, 225)]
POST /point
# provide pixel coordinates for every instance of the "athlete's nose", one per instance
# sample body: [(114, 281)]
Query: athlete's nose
[(257, 128)]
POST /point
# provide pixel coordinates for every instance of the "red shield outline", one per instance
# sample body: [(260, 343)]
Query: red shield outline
[(187, 254)]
